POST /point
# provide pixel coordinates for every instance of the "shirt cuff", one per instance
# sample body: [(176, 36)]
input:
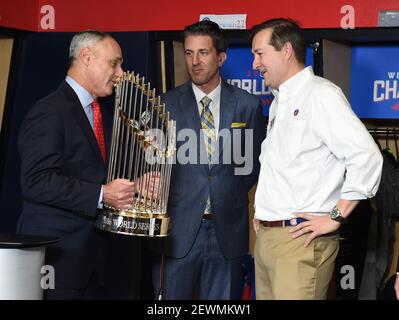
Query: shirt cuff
[(100, 199), (353, 195)]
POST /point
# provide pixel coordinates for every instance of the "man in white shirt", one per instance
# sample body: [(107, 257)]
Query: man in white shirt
[(317, 162)]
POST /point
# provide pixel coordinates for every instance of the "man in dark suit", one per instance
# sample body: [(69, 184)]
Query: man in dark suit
[(208, 200), (63, 144)]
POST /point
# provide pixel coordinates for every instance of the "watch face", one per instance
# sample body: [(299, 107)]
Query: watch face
[(334, 214)]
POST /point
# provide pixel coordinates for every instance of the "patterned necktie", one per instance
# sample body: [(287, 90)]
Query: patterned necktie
[(98, 127), (208, 128)]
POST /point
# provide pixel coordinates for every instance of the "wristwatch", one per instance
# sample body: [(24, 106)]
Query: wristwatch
[(336, 215)]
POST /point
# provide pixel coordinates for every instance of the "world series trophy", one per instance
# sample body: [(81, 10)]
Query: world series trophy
[(143, 148)]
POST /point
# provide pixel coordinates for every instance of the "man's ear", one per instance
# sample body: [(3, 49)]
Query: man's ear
[(85, 55), (221, 58), (288, 50)]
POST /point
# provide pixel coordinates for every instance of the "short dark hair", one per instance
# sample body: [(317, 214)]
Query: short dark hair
[(284, 30), (207, 28)]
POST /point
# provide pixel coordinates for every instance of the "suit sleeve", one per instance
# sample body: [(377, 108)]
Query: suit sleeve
[(41, 148), (258, 125)]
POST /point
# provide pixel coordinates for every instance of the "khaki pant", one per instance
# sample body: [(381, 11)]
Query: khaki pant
[(285, 269)]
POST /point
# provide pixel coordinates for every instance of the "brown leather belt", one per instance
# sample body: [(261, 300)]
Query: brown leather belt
[(282, 223), (207, 216)]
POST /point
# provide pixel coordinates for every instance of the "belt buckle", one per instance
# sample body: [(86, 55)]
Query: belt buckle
[(283, 223)]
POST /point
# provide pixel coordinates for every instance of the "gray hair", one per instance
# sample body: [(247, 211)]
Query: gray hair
[(84, 39)]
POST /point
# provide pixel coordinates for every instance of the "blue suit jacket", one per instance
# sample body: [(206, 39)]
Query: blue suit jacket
[(61, 176), (192, 182)]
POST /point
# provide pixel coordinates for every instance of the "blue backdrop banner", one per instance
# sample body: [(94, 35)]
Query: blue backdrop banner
[(374, 82), (237, 70)]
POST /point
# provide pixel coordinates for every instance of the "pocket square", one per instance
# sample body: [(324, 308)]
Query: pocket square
[(238, 124)]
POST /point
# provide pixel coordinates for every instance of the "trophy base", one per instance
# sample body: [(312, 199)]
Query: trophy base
[(122, 222)]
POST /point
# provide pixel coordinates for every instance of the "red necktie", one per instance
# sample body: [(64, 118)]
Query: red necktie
[(98, 127)]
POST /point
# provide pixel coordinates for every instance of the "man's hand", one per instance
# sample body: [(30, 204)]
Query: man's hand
[(118, 193), (397, 286), (149, 185), (315, 226), (255, 224)]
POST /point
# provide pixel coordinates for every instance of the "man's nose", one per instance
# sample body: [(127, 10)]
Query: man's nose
[(119, 72), (255, 63), (196, 59)]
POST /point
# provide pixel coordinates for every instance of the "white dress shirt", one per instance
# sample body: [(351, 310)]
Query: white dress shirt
[(84, 97), (316, 152)]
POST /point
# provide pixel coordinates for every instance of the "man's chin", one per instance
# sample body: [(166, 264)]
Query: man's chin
[(198, 81), (267, 83), (109, 92), (105, 94)]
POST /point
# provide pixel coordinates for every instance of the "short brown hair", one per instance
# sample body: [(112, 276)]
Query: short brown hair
[(284, 30), (208, 28)]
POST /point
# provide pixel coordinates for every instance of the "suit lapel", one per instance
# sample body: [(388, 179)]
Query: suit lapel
[(188, 106), (227, 110), (83, 122), (107, 124)]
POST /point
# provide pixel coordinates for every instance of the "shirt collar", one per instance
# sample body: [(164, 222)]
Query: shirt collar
[(291, 86), (83, 95), (213, 95)]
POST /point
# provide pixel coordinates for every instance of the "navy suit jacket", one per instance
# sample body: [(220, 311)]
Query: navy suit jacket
[(61, 176), (191, 183)]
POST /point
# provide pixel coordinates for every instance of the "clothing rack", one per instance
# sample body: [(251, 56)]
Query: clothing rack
[(390, 133), (386, 134)]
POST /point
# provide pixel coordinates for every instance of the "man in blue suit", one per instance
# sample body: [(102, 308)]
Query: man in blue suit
[(64, 144), (208, 199)]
